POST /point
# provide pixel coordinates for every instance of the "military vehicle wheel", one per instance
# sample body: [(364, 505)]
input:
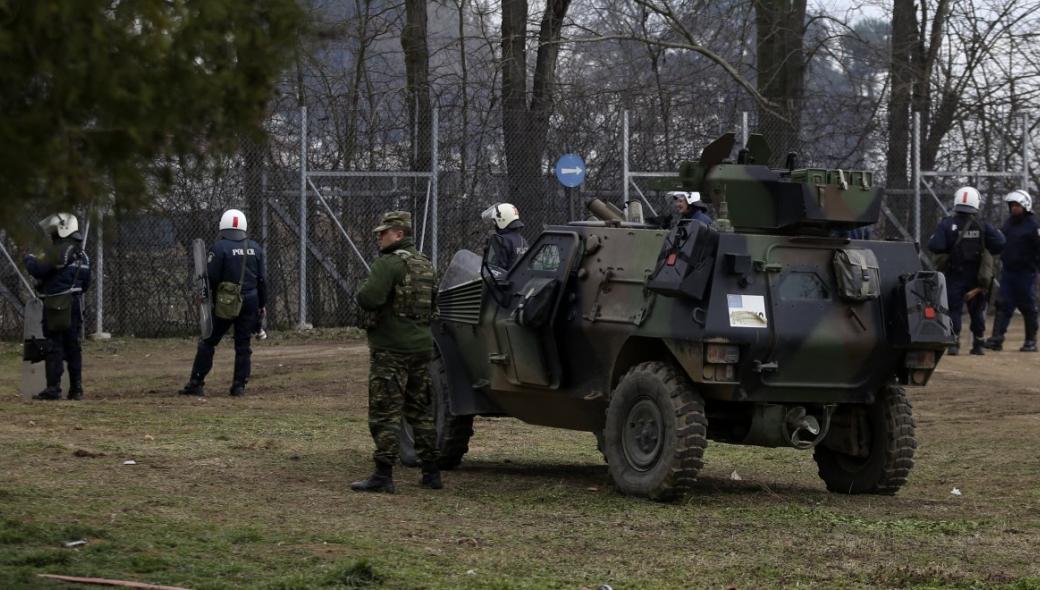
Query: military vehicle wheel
[(656, 432), (869, 450), (453, 432)]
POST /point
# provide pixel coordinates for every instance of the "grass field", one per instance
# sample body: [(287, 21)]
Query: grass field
[(252, 492)]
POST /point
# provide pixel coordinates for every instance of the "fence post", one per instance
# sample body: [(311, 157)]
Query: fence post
[(917, 176), (303, 325), (265, 222), (744, 129), (624, 156), (1025, 152), (99, 286), (434, 165)]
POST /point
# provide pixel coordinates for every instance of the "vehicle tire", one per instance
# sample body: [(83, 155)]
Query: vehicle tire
[(888, 426), (453, 432), (656, 432)]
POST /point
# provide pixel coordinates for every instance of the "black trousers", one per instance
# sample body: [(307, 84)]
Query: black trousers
[(244, 325), (65, 349)]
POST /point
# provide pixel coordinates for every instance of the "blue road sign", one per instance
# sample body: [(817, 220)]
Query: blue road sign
[(570, 170)]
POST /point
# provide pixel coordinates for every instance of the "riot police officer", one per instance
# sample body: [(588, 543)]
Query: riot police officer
[(1021, 260), (505, 244), (399, 296), (688, 205), (63, 275), (959, 243), (225, 265)]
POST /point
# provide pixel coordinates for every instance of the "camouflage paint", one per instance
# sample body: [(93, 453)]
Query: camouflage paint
[(816, 347)]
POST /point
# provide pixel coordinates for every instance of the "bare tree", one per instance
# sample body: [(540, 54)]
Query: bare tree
[(525, 115), (417, 72), (780, 63)]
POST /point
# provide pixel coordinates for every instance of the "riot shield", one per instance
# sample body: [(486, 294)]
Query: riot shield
[(34, 350), (200, 287)]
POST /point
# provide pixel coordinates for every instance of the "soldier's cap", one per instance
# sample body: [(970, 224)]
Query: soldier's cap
[(399, 219)]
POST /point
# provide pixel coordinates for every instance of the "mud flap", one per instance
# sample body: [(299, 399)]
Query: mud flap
[(200, 287)]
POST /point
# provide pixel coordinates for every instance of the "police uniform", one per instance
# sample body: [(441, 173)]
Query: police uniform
[(859, 233), (506, 245), (398, 295), (1021, 260), (225, 261), (696, 211), (699, 214), (63, 267), (961, 237)]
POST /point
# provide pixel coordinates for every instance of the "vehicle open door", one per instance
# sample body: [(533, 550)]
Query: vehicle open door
[(524, 344)]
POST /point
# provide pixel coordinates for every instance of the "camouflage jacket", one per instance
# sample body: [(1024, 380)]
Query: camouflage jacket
[(389, 330)]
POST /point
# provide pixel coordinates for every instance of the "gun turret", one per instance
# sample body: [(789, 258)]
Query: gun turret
[(760, 199)]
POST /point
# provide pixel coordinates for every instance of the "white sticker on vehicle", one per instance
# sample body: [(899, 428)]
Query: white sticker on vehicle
[(747, 311)]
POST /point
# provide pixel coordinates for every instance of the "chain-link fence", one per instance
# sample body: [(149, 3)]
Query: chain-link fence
[(145, 257)]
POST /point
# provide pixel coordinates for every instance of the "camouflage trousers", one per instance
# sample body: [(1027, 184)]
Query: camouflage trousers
[(399, 387)]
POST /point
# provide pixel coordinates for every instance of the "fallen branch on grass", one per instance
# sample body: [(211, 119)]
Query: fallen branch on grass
[(106, 582)]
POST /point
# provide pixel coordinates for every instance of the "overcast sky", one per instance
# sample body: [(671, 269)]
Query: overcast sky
[(853, 10)]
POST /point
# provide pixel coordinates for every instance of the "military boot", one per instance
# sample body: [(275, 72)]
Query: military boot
[(1028, 346), (238, 390), (994, 343), (953, 349), (431, 476), (50, 393), (193, 387), (380, 481), (76, 389), (978, 347)]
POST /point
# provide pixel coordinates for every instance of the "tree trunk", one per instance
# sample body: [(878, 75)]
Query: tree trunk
[(464, 83), (780, 56), (904, 35), (525, 126), (252, 151), (417, 72)]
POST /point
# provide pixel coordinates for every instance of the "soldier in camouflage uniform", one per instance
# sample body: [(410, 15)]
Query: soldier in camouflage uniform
[(399, 295)]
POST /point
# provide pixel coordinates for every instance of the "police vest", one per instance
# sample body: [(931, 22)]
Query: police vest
[(413, 296), (969, 244)]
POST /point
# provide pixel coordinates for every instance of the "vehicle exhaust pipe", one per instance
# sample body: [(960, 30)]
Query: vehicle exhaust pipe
[(804, 429), (776, 425)]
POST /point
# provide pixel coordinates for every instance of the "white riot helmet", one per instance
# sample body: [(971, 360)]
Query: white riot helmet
[(61, 224), (1022, 198), (966, 200), (692, 198), (501, 214), (233, 219)]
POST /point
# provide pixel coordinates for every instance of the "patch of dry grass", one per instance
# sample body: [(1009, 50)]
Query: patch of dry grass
[(252, 492)]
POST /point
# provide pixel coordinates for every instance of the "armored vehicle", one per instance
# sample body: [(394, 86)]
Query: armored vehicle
[(772, 328)]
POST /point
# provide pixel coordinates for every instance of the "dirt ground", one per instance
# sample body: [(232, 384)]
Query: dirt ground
[(252, 492)]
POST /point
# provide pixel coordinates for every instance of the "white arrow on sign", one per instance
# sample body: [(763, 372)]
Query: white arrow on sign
[(571, 170)]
